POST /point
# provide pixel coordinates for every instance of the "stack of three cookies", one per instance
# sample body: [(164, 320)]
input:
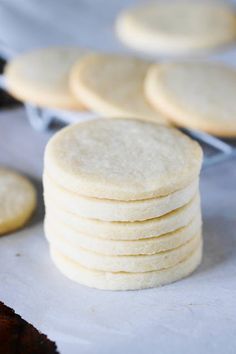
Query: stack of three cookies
[(122, 203)]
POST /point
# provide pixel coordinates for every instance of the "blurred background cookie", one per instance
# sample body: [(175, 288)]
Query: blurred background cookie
[(112, 85), (196, 95), (17, 200), (177, 27), (41, 77)]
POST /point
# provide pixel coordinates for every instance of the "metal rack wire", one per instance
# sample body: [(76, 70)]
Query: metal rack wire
[(215, 149)]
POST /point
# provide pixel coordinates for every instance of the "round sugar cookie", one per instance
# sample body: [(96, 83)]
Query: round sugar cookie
[(41, 77), (138, 263), (114, 210), (195, 95), (123, 248), (122, 159), (124, 280), (127, 230), (112, 85), (17, 200), (177, 27)]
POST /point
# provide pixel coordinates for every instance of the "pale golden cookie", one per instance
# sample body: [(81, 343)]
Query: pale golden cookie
[(122, 159), (112, 85), (177, 27), (17, 200), (127, 230), (126, 280), (41, 77), (131, 263), (115, 210), (196, 95), (123, 248)]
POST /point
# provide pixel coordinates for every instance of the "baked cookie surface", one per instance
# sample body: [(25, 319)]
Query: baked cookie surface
[(194, 94), (112, 85), (177, 27), (126, 280), (127, 230), (41, 77), (130, 263), (123, 248), (17, 200), (115, 210), (122, 159)]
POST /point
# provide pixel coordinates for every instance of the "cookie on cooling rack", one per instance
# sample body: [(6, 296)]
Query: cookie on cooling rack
[(195, 94), (41, 77)]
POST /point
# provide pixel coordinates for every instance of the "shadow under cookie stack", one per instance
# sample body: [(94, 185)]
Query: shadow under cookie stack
[(122, 203)]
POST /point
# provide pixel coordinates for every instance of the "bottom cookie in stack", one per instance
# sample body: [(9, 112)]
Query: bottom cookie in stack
[(124, 280), (123, 252)]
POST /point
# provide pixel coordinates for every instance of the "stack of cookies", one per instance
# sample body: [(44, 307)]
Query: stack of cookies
[(122, 203)]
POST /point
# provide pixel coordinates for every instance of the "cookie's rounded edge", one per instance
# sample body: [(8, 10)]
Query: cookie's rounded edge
[(134, 36), (161, 102), (18, 221), (23, 91), (123, 280), (100, 189)]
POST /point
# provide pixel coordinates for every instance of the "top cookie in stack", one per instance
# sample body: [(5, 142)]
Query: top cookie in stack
[(122, 203)]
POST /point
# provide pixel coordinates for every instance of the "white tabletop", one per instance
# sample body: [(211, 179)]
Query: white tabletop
[(196, 315)]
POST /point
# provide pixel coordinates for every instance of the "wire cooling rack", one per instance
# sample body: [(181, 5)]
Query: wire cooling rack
[(215, 149)]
